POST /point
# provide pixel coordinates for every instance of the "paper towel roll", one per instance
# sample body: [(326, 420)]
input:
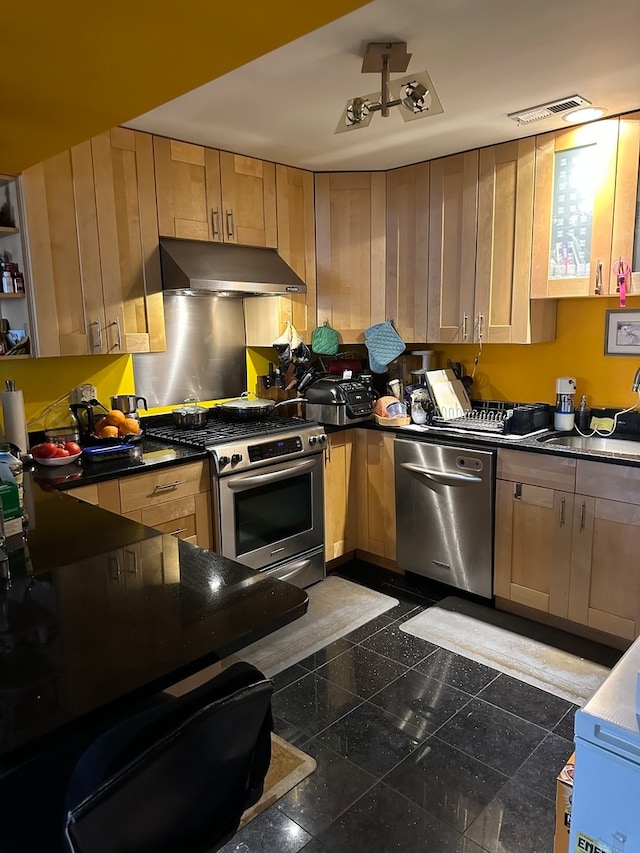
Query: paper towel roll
[(15, 421)]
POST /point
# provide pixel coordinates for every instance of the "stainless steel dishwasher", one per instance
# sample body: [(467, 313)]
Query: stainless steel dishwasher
[(444, 505)]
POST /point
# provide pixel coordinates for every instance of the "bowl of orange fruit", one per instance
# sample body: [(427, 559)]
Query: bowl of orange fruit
[(114, 427)]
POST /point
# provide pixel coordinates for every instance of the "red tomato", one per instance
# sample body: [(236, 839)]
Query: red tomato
[(60, 452), (73, 447), (44, 451)]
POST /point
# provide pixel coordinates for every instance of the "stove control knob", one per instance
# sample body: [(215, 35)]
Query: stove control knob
[(313, 439), (322, 438), (223, 460), (236, 457)]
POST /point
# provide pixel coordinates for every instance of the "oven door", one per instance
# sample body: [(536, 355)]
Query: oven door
[(272, 513)]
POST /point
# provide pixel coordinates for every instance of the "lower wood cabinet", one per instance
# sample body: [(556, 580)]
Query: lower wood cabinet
[(567, 540), (376, 495), (340, 498), (175, 500)]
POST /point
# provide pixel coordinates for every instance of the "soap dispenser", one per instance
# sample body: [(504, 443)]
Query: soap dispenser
[(564, 416)]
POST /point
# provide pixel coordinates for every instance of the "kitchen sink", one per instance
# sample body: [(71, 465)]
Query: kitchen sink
[(616, 446)]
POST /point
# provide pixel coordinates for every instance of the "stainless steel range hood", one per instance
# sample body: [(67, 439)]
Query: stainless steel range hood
[(225, 269)]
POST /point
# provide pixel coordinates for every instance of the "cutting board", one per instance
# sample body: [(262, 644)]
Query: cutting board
[(449, 394)]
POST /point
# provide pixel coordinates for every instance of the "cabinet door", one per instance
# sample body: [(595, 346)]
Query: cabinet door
[(575, 184), (340, 527), (128, 236), (626, 218), (265, 319), (407, 250), (504, 311), (533, 520), (453, 223), (64, 253), (605, 584), (188, 190), (376, 493), (248, 200), (350, 250)]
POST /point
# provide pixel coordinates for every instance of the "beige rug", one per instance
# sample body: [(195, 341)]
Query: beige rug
[(336, 607), (288, 766), (544, 657)]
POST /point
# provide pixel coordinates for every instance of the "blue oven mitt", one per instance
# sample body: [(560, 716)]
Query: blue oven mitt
[(384, 344)]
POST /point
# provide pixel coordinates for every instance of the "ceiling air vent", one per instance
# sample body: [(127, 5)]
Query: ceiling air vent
[(549, 109)]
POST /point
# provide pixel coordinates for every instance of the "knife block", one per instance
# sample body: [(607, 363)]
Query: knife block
[(279, 395)]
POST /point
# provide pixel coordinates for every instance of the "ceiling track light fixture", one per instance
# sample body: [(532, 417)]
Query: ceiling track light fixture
[(414, 94)]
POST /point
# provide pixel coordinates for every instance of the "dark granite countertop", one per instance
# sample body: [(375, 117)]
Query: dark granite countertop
[(99, 610)]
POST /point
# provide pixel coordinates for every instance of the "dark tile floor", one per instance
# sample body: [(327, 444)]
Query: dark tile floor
[(418, 749)]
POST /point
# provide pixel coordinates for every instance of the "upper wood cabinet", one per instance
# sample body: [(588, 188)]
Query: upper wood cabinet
[(626, 216), (453, 221), (93, 248), (408, 250), (204, 194), (503, 309), (575, 192), (350, 250), (265, 319)]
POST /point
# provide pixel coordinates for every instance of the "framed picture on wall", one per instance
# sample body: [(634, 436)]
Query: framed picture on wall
[(622, 333)]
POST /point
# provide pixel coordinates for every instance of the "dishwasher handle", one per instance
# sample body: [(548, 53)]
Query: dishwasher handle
[(444, 478)]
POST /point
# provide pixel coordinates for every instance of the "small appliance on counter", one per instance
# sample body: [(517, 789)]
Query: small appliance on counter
[(339, 402), (564, 417)]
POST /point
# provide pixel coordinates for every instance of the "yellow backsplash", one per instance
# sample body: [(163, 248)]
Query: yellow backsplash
[(523, 373)]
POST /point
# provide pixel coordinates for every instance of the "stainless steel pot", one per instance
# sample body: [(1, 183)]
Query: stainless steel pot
[(190, 415), (248, 407)]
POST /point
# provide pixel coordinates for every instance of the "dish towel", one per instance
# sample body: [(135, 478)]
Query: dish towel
[(384, 344)]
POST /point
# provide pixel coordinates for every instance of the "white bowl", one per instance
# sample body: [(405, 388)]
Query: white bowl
[(58, 460)]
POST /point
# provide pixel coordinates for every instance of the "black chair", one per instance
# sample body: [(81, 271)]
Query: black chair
[(178, 775)]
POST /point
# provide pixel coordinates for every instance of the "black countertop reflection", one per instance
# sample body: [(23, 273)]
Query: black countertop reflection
[(98, 610)]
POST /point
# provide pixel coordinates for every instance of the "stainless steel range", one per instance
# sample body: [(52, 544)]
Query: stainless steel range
[(268, 494)]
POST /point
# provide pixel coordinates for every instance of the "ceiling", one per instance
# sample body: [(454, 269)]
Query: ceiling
[(486, 59)]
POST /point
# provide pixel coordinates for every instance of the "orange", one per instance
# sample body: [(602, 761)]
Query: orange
[(129, 427), (102, 422), (115, 417), (109, 431)]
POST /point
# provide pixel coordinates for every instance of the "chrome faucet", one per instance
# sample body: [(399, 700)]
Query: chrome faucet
[(636, 381)]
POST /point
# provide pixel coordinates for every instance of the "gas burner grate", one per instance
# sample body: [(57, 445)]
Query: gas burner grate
[(221, 430)]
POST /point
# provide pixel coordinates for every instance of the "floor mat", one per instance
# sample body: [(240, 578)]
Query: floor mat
[(288, 767), (536, 654), (336, 607)]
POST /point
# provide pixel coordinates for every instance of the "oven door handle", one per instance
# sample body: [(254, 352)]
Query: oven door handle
[(250, 481), (444, 478)]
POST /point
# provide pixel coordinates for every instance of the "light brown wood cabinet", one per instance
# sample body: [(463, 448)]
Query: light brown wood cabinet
[(503, 309), (265, 319), (340, 494), (408, 250), (567, 539), (376, 495), (453, 224), (575, 194), (205, 194), (350, 251), (175, 500), (626, 224), (93, 248)]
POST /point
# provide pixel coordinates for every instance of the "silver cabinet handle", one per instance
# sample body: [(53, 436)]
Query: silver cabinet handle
[(166, 487), (176, 531), (98, 343), (517, 491), (132, 569), (562, 502), (116, 323), (114, 568), (480, 326), (598, 285), (445, 478), (582, 514), (465, 323), (215, 222), (230, 231)]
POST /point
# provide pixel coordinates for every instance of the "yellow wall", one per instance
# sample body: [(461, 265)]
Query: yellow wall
[(528, 373), (505, 372)]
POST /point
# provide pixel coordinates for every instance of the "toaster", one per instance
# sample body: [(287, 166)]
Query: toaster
[(338, 402)]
